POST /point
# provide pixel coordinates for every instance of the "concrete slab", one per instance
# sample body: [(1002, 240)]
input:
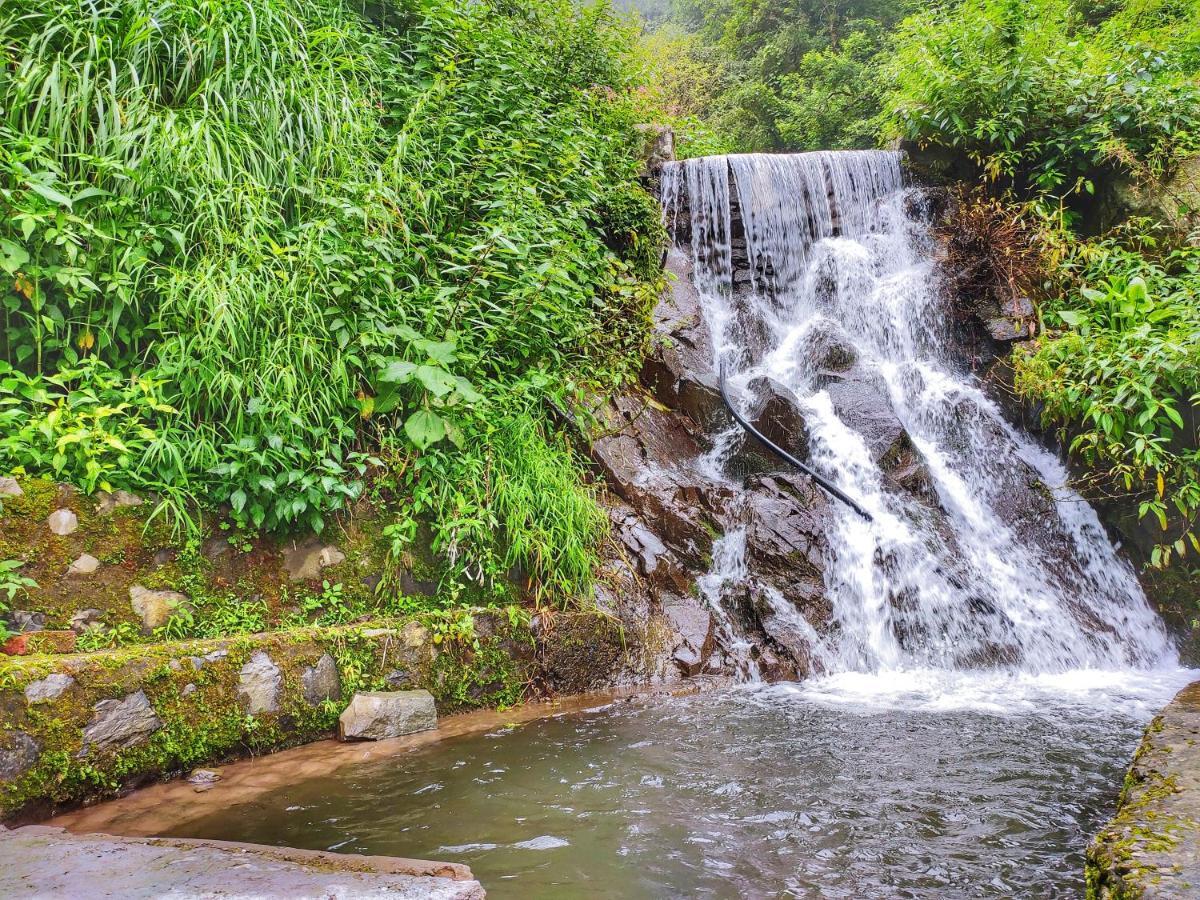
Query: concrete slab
[(44, 862)]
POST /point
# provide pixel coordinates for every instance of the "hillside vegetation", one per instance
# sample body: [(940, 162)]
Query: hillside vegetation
[(271, 255)]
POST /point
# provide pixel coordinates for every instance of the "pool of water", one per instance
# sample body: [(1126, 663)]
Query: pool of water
[(907, 785)]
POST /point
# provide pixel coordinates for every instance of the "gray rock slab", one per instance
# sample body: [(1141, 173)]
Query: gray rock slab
[(39, 861), (18, 753), (376, 715), (117, 724), (48, 688), (10, 488), (321, 682), (260, 684)]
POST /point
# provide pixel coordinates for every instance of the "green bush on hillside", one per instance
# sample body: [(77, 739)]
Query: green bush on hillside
[(309, 231)]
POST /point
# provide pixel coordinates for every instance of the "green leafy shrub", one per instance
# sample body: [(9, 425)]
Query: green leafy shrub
[(1035, 92), (311, 232), (87, 424), (1119, 368)]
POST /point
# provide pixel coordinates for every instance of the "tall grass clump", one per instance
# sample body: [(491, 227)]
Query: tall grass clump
[(312, 231)]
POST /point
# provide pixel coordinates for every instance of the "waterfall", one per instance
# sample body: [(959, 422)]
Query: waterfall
[(816, 270)]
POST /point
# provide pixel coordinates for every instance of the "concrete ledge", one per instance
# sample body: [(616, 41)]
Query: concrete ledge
[(1151, 848), (39, 861)]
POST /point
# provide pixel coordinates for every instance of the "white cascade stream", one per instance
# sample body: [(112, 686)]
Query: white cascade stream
[(966, 584)]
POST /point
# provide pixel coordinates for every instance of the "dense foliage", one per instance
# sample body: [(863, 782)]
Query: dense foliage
[(251, 249)]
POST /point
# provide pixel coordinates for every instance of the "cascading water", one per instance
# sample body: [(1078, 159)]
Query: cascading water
[(999, 565)]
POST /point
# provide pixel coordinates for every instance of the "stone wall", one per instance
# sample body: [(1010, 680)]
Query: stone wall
[(1151, 848), (79, 726)]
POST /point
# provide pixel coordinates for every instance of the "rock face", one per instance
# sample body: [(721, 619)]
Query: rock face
[(321, 682), (62, 522), (154, 608), (668, 514), (1152, 847), (376, 715), (48, 688), (18, 753), (260, 684), (118, 724)]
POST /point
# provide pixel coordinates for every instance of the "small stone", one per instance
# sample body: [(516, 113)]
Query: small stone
[(117, 724), (154, 608), (18, 753), (204, 776), (63, 522), (48, 688), (174, 665), (23, 621), (117, 499), (322, 681), (304, 561), (330, 556), (87, 619), (86, 564), (188, 689), (375, 715), (260, 684), (165, 556), (415, 635), (10, 488), (398, 678)]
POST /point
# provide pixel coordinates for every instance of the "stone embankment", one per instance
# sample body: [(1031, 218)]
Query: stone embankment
[(1151, 848), (79, 726)]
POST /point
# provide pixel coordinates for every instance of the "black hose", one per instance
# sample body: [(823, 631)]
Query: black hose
[(829, 486)]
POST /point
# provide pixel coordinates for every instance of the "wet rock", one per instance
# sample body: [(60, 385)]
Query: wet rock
[(304, 562), (86, 619), (107, 502), (862, 405), (23, 621), (85, 564), (18, 753), (260, 684), (62, 522), (47, 688), (322, 681), (204, 776), (375, 715), (154, 608), (10, 488), (692, 626), (119, 724), (643, 545)]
